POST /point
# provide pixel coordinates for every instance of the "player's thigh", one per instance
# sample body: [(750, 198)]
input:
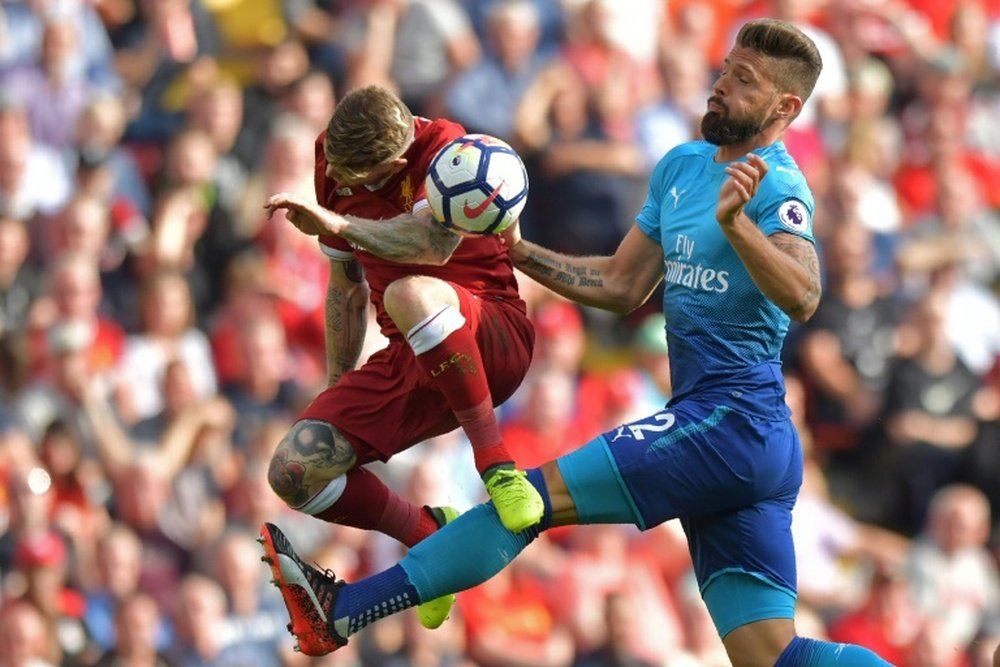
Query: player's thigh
[(701, 459), (744, 561), (383, 407), (505, 336)]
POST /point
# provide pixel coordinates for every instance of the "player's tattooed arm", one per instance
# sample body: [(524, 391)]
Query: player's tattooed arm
[(410, 238), (803, 253), (619, 283), (407, 239), (310, 455), (346, 317)]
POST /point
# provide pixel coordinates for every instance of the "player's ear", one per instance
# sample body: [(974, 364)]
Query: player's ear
[(399, 164), (789, 106)]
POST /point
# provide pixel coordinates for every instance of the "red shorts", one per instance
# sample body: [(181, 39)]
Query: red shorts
[(388, 405)]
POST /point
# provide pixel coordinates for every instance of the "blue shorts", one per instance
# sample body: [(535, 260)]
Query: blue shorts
[(731, 479)]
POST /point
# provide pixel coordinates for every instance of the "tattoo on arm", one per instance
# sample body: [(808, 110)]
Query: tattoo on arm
[(567, 273), (804, 253), (406, 239), (354, 271), (345, 325)]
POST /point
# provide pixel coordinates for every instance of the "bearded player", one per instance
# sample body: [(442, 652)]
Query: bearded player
[(460, 341)]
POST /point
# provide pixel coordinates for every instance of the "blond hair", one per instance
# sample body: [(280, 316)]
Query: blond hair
[(369, 128)]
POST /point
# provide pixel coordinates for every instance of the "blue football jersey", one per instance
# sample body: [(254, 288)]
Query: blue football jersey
[(721, 329)]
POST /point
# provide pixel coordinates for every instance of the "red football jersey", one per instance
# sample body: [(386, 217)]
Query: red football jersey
[(480, 264)]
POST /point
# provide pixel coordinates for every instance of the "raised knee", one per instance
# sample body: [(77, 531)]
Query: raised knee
[(311, 455), (405, 289)]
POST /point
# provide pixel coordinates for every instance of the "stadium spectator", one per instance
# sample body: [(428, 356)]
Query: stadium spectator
[(510, 61), (54, 89), (253, 628), (23, 638), (601, 563), (137, 620), (886, 620), (844, 358), (929, 418), (528, 631), (414, 46), (45, 562), (618, 626), (266, 393), (312, 97), (199, 615), (165, 51), (35, 180), (218, 112), (277, 67), (591, 179), (167, 332), (20, 285), (672, 118), (547, 422), (119, 568), (954, 576)]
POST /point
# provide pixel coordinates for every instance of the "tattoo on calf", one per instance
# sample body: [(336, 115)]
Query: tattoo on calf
[(309, 456)]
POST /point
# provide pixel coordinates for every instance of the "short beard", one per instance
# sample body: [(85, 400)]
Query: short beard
[(722, 131)]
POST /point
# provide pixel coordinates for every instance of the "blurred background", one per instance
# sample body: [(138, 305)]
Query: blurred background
[(158, 334)]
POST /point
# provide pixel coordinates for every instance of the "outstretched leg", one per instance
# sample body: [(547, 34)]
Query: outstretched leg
[(325, 612)]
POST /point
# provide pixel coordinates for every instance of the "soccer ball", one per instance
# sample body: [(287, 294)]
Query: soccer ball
[(476, 184)]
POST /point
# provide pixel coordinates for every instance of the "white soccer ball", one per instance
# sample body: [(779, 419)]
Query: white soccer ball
[(477, 184)]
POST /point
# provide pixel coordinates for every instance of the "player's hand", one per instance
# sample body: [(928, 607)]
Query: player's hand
[(310, 218), (742, 184)]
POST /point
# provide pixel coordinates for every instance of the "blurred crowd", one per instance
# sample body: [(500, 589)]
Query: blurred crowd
[(158, 333)]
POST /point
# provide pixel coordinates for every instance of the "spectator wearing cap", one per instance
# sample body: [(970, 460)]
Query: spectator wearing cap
[(43, 560)]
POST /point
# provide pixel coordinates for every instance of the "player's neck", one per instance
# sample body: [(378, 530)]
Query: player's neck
[(733, 152)]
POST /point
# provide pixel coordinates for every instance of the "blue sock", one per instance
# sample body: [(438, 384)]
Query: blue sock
[(458, 556), (372, 598), (465, 553), (802, 652)]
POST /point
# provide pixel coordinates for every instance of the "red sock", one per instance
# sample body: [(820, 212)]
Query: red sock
[(456, 370), (369, 504)]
